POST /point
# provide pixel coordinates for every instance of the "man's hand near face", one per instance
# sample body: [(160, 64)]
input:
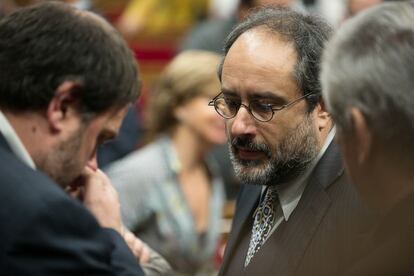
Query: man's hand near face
[(139, 248), (95, 191), (151, 261)]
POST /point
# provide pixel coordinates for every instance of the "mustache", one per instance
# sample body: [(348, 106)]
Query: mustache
[(249, 144)]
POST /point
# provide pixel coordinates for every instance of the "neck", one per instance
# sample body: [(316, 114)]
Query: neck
[(31, 129), (191, 149), (323, 134), (391, 181)]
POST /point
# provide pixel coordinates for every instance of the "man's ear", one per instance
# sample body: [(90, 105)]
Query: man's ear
[(322, 115), (361, 136), (62, 105)]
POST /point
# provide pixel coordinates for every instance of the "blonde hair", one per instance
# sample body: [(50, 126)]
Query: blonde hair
[(190, 74)]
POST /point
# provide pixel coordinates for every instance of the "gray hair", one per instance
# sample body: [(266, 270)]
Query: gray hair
[(308, 33), (369, 65)]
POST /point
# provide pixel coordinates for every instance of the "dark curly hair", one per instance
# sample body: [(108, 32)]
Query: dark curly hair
[(43, 45)]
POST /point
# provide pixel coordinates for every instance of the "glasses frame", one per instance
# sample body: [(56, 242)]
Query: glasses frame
[(274, 109)]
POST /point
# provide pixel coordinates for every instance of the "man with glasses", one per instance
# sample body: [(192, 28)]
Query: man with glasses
[(297, 215)]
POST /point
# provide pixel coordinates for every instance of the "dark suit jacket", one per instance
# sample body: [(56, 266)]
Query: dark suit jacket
[(325, 233), (45, 232), (392, 244)]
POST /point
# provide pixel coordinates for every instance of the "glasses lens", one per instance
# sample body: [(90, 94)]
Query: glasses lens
[(261, 111), (226, 108)]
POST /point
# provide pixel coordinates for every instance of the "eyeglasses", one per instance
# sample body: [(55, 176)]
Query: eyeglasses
[(261, 111)]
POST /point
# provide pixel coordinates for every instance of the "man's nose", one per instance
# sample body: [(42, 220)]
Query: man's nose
[(243, 123), (93, 162)]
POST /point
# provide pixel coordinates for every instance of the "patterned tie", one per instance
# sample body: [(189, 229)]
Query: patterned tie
[(263, 223)]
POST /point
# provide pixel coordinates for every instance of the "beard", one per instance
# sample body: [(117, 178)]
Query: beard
[(290, 158), (62, 164)]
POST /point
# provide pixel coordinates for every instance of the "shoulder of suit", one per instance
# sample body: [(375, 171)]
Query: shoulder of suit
[(30, 200)]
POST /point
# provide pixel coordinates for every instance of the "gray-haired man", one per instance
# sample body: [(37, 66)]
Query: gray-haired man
[(368, 84)]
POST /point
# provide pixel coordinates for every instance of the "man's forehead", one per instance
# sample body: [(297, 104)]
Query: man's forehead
[(119, 113), (263, 49), (111, 120), (260, 61), (255, 37)]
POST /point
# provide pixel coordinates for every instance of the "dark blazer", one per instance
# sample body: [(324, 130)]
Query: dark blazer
[(325, 233), (45, 232), (392, 244)]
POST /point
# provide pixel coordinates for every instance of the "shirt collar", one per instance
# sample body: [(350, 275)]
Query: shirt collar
[(290, 193), (14, 141)]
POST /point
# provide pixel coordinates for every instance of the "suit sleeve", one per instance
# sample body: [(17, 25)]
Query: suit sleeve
[(63, 238)]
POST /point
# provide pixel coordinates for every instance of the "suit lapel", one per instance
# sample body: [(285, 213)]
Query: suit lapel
[(4, 144), (246, 204), (329, 168), (295, 235), (284, 250), (290, 240)]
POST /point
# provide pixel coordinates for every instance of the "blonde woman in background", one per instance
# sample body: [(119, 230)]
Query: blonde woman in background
[(170, 193)]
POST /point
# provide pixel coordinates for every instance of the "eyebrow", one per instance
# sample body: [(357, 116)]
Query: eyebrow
[(267, 95), (256, 95)]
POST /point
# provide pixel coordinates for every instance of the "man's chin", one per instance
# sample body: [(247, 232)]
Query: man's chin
[(254, 174), (249, 168), (250, 163)]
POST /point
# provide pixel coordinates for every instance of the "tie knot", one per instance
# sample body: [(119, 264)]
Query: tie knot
[(271, 194)]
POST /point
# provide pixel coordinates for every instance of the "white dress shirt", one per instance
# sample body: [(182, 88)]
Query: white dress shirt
[(14, 142)]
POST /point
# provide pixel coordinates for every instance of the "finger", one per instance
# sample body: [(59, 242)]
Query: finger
[(129, 238), (104, 177), (75, 193), (137, 247), (145, 255), (92, 179), (134, 243)]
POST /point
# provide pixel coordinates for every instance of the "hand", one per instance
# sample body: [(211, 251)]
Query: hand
[(139, 248), (94, 189)]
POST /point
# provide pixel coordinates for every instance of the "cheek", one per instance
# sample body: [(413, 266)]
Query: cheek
[(217, 121), (227, 126), (205, 116), (270, 134), (350, 163), (281, 128), (213, 125), (87, 148)]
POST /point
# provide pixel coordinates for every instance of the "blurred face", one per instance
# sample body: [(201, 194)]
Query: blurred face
[(260, 66), (203, 121), (351, 165), (68, 158), (285, 3), (355, 151), (356, 6)]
